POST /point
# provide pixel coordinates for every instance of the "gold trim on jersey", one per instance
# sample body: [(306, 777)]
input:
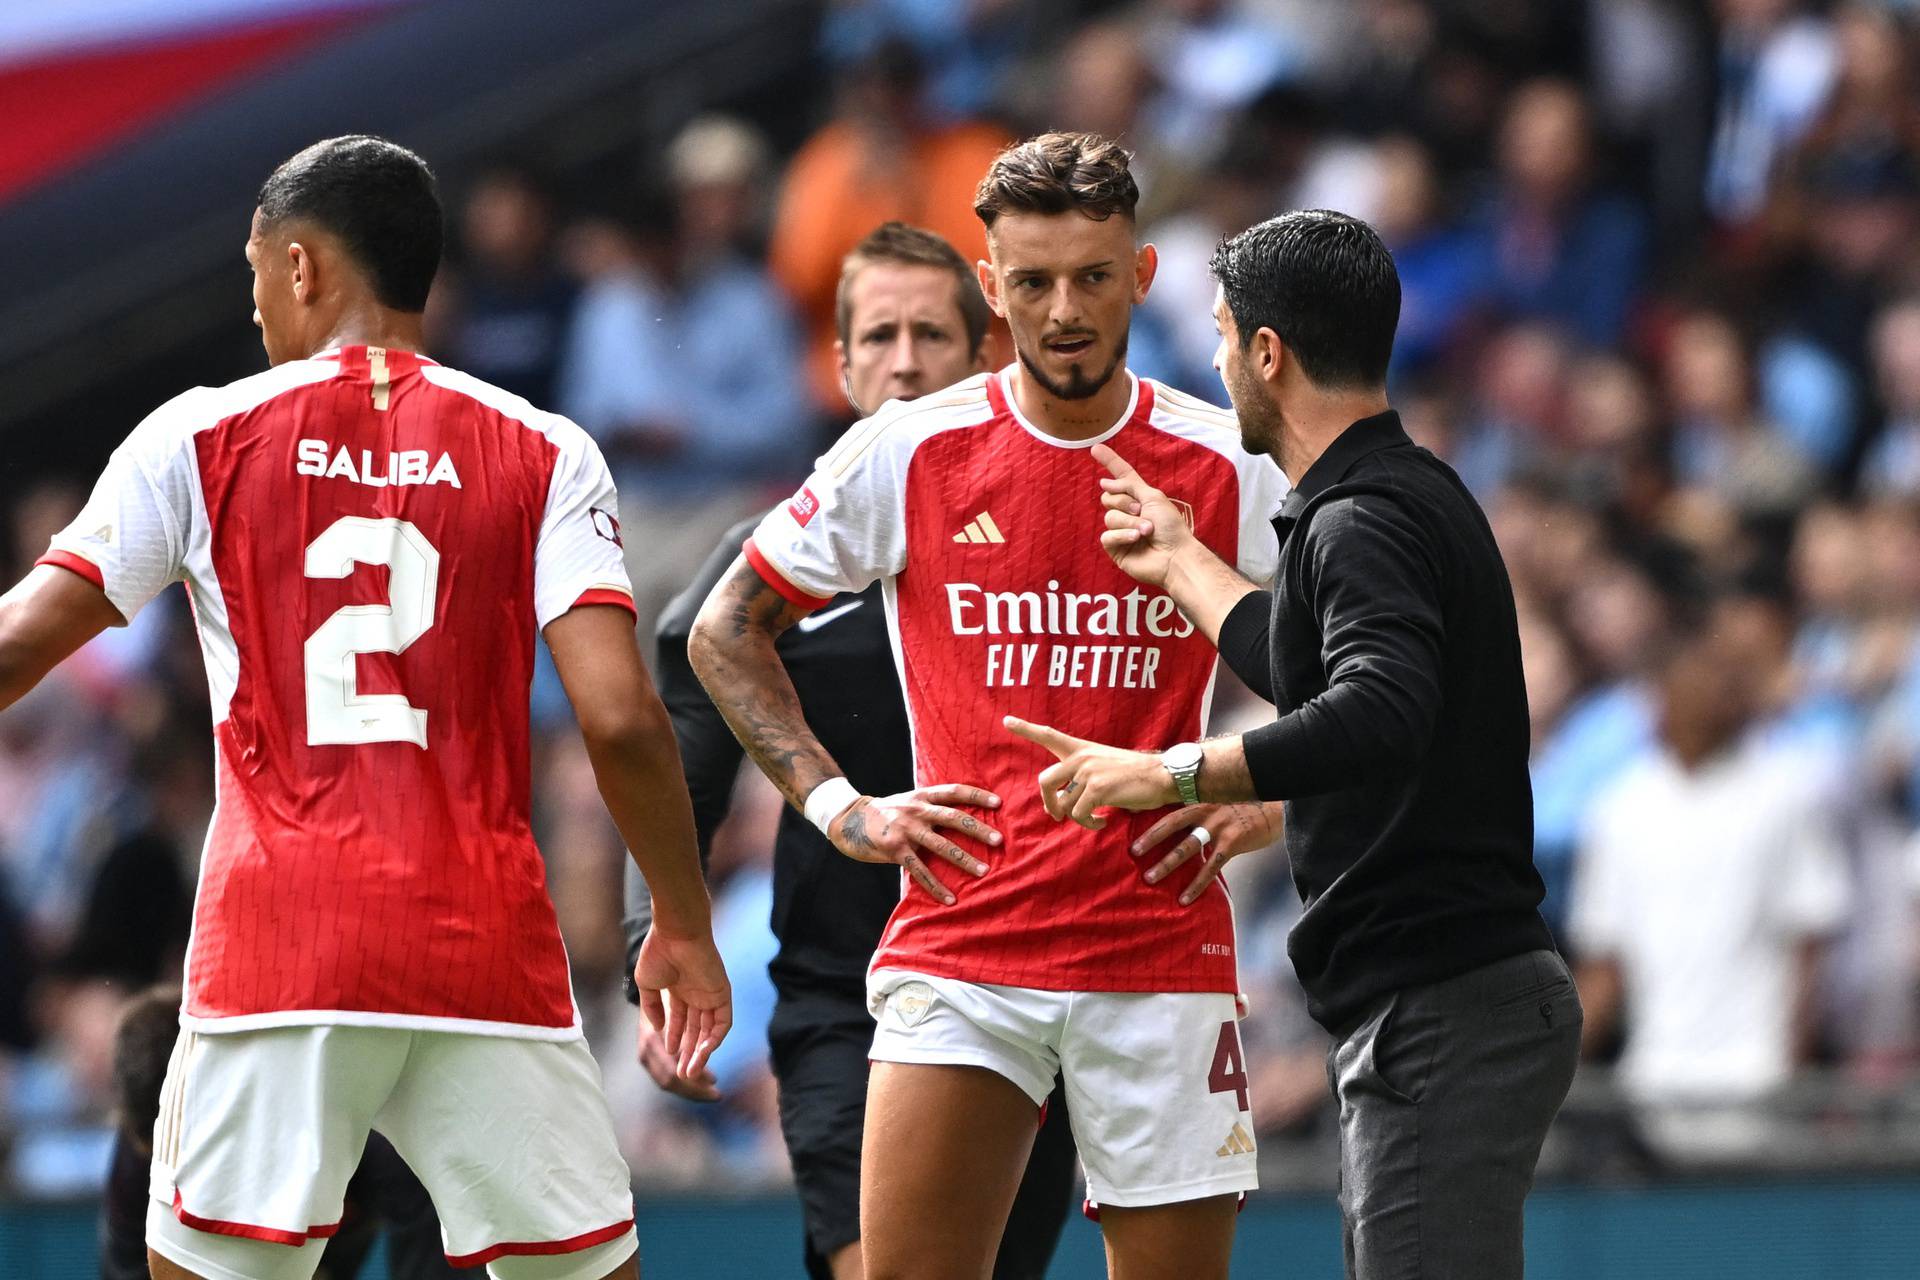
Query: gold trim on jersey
[(377, 363), (1193, 405), (853, 446)]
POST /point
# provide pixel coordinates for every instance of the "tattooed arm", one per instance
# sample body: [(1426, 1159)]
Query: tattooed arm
[(732, 651)]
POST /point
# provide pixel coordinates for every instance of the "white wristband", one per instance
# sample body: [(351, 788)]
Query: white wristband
[(828, 801)]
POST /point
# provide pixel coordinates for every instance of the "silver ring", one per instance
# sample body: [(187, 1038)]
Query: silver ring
[(1070, 788), (1202, 836)]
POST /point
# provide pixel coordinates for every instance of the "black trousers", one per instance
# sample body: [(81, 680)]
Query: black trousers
[(820, 1042), (1446, 1092)]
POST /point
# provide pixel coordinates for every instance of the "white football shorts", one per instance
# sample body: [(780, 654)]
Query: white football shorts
[(259, 1132), (1156, 1083)]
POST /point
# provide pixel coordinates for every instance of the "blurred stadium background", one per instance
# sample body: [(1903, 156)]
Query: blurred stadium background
[(1662, 312)]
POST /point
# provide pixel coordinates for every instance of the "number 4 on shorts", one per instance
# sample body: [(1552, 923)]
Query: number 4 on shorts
[(1229, 1073)]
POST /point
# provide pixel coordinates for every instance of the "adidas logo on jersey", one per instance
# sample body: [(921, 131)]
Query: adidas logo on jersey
[(1239, 1142), (406, 467), (980, 529)]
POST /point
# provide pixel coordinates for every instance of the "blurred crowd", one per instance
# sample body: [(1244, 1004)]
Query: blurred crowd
[(1662, 313)]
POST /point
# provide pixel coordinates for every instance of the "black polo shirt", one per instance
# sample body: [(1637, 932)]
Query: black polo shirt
[(1391, 649)]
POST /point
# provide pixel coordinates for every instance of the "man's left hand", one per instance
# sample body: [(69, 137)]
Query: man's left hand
[(1229, 831), (1091, 776)]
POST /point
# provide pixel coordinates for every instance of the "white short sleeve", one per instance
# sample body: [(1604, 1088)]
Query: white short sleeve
[(132, 535), (846, 528), (1600, 912), (578, 558), (1262, 488), (1811, 891)]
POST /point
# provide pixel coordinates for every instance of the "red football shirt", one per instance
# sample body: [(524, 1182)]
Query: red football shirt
[(1001, 601), (370, 542)]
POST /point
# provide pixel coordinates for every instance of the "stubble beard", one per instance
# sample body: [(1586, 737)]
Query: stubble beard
[(1078, 386), (1259, 418)]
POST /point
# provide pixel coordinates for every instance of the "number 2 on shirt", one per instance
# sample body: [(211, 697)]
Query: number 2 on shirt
[(337, 712)]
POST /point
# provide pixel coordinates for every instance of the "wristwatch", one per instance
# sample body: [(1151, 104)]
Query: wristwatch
[(1183, 762)]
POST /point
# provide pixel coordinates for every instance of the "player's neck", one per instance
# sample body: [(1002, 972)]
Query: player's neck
[(1072, 419), (1309, 429), (376, 327)]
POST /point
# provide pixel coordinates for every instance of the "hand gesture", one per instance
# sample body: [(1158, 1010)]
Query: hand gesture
[(659, 1064), (899, 828), (1090, 776), (1225, 831), (1145, 528), (697, 1008)]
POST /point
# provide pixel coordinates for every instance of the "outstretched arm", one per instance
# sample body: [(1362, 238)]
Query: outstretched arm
[(630, 742), (732, 651), (47, 616)]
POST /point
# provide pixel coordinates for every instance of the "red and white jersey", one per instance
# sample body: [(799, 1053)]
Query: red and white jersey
[(985, 531), (370, 542)]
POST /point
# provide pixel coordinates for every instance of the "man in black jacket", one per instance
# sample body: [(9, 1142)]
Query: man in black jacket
[(911, 321), (1390, 647)]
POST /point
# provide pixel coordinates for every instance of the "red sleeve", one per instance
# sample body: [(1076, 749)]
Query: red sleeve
[(606, 595), (778, 581), (75, 564)]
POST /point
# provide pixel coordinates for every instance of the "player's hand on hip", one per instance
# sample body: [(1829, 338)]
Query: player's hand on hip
[(1222, 831), (904, 828), (684, 995), (1145, 528), (660, 1065), (1087, 776)]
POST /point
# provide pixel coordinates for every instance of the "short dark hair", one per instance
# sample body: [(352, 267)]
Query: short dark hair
[(1325, 283), (913, 247), (142, 1044), (1058, 172), (379, 198)]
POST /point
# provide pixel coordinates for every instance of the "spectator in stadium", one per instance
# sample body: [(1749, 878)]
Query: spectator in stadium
[(1776, 65), (1214, 58), (1892, 465), (911, 321), (1722, 444), (1556, 247), (1841, 248), (1513, 423), (878, 158), (1390, 646), (1439, 270), (685, 361), (507, 307), (969, 47), (683, 358), (1101, 84), (1709, 878)]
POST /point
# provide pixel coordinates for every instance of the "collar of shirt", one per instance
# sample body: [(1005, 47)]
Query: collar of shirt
[(1369, 435)]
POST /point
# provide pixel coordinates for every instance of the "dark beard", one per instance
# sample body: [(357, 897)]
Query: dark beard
[(1078, 387), (1258, 418)]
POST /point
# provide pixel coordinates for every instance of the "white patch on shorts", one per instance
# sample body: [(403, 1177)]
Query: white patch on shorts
[(910, 1002)]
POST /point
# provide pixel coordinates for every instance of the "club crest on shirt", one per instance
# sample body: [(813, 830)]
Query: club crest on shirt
[(803, 507), (607, 525)]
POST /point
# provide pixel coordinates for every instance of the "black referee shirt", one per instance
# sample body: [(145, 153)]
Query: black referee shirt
[(828, 910), (1390, 647)]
